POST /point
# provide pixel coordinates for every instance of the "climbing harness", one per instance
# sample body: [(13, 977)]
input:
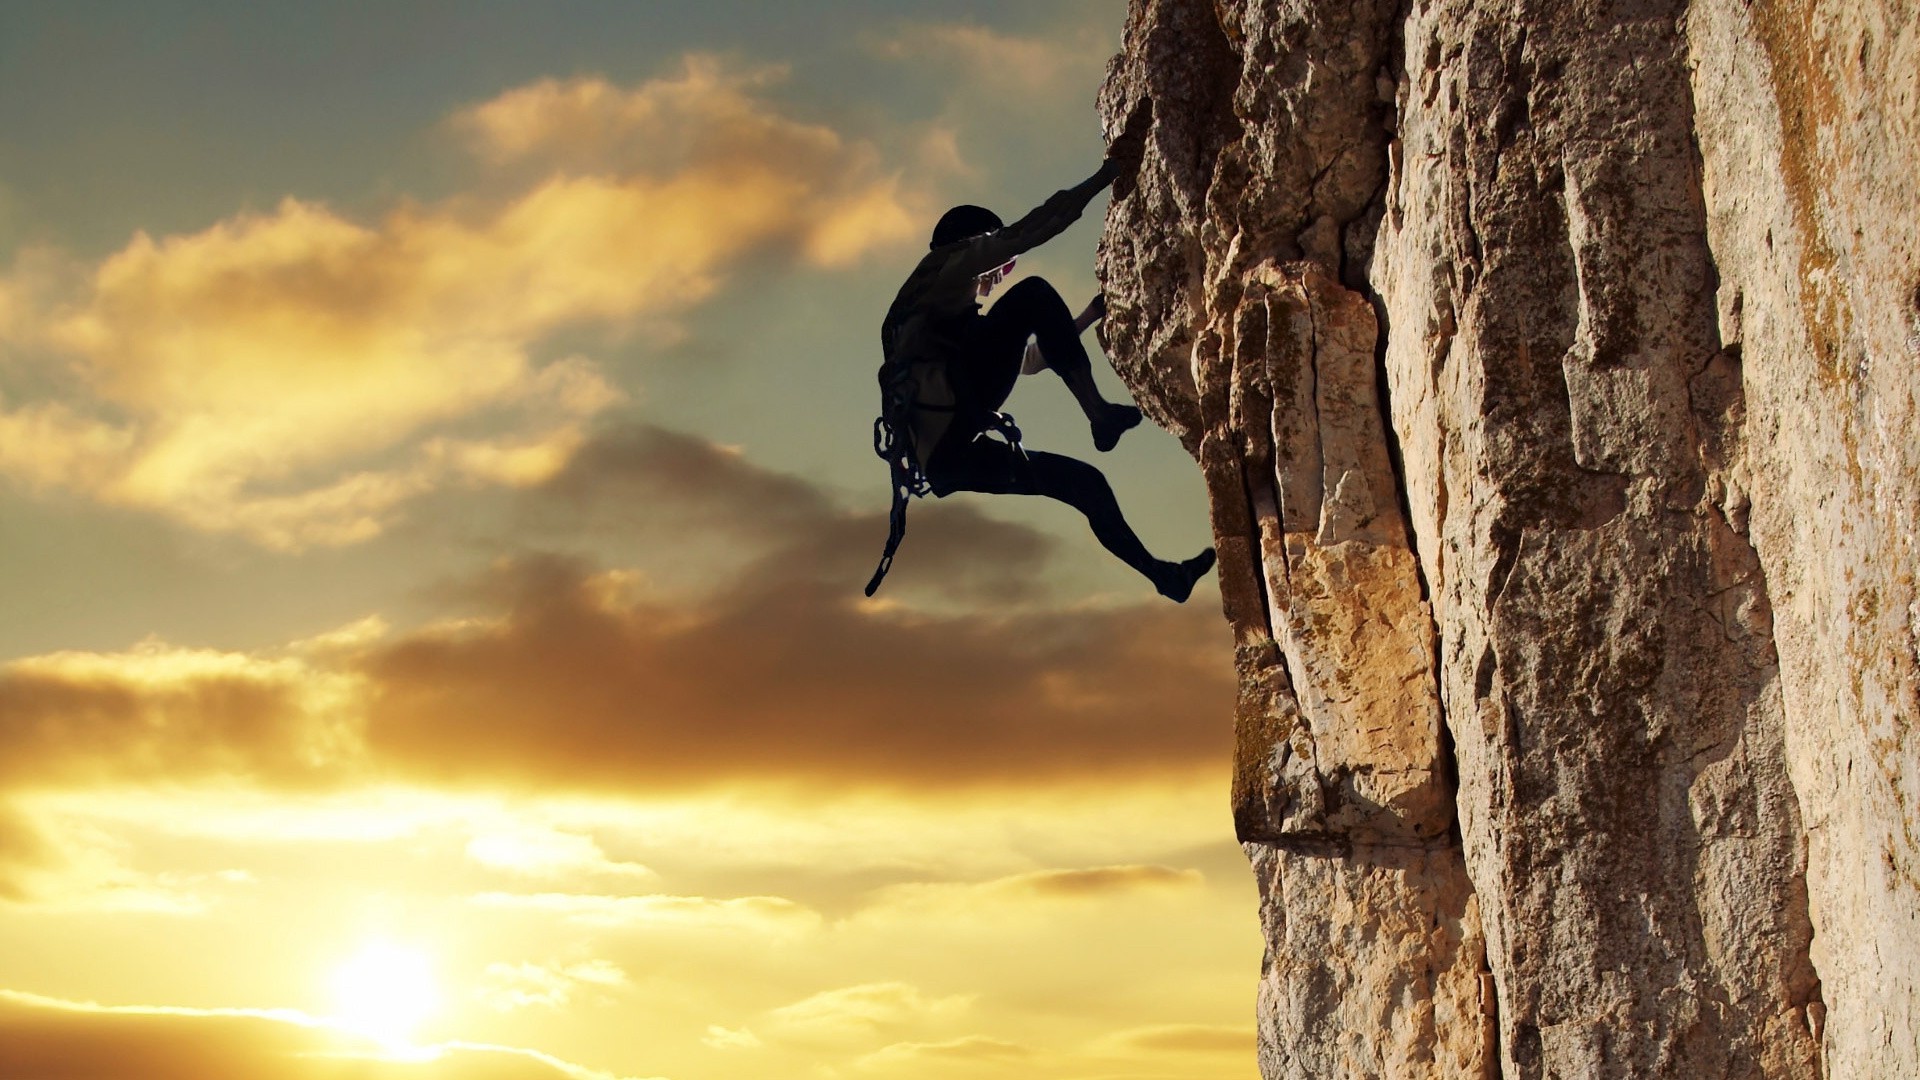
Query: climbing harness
[(893, 443)]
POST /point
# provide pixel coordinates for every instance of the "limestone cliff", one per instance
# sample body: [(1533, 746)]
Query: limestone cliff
[(1553, 368)]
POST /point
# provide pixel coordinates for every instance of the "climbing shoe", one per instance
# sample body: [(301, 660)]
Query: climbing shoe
[(1119, 420), (1175, 580)]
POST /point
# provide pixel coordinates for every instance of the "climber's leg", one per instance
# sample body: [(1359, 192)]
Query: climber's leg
[(1033, 308), (988, 465)]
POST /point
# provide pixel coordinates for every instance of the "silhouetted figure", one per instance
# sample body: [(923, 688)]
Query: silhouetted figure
[(949, 368)]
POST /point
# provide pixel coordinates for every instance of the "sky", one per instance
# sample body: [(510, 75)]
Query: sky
[(435, 490)]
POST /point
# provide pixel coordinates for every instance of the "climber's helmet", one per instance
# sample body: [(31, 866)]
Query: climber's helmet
[(963, 222)]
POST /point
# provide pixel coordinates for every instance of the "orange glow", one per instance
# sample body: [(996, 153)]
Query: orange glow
[(434, 644)]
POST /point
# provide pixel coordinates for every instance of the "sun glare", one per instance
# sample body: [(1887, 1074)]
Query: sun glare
[(383, 992)]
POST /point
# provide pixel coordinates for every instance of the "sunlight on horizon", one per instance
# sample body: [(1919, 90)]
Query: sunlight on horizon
[(384, 992)]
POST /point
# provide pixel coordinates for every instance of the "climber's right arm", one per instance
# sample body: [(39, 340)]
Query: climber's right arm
[(1051, 218), (986, 253)]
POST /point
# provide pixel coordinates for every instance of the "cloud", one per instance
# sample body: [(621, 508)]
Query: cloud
[(571, 680), (1020, 892), (509, 987), (645, 474), (539, 851), (1091, 883), (100, 882), (1182, 1039), (773, 915), (638, 479), (962, 1051), (23, 851), (782, 670), (855, 1013), (1099, 881), (790, 681), (709, 119), (296, 376), (1005, 66), (49, 1039), (724, 1038), (1013, 103), (708, 112), (157, 713)]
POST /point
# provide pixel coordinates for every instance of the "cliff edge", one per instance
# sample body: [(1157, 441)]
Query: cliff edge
[(1553, 371)]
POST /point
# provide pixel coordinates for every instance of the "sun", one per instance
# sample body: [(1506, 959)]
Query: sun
[(384, 991)]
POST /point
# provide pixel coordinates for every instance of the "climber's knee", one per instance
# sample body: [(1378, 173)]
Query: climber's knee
[(1034, 290)]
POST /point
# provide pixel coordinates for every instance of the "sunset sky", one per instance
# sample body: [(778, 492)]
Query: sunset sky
[(435, 448)]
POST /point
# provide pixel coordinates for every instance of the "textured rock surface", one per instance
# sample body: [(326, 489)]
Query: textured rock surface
[(1552, 367)]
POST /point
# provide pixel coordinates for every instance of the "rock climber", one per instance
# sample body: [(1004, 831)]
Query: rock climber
[(949, 367)]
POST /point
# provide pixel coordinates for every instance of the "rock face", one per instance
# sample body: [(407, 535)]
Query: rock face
[(1553, 370)]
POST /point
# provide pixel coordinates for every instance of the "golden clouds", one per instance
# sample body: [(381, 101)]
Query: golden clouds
[(1104, 879), (778, 676), (1095, 882), (262, 375), (571, 681), (157, 713), (780, 673), (824, 194), (782, 685), (767, 915), (1024, 902), (542, 851), (296, 376), (708, 112), (49, 1039), (858, 1013), (23, 850), (1005, 65), (1185, 1039), (708, 115), (726, 1038), (915, 1057), (506, 987), (758, 829)]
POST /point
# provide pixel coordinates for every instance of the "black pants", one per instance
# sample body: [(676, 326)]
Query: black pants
[(967, 460)]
